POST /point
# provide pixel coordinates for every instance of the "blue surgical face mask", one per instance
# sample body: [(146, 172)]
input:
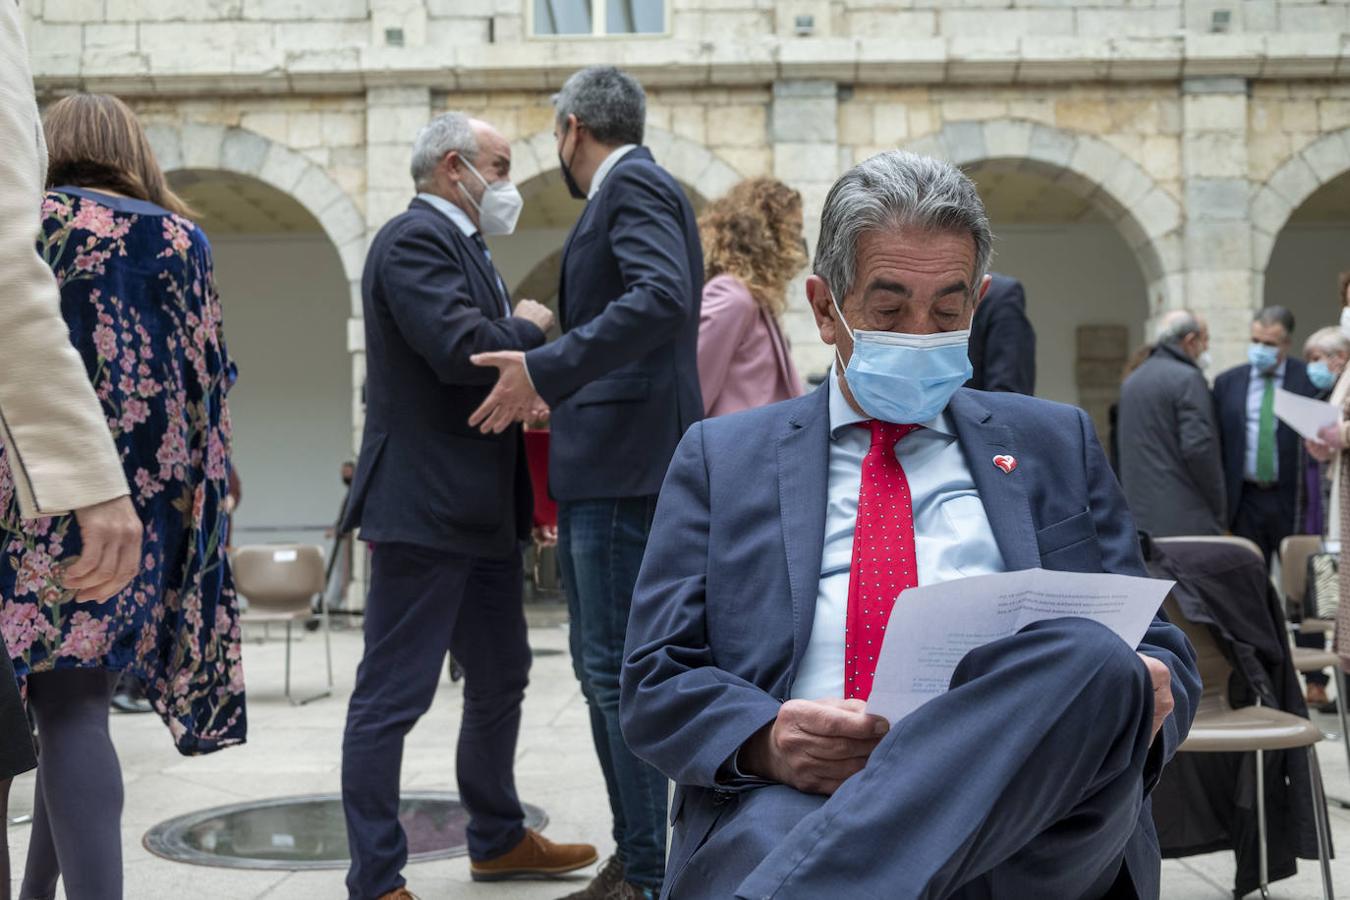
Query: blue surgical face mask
[(905, 378), (1321, 375), (1263, 357)]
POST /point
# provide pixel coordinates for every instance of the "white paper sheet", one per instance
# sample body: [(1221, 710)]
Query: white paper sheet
[(1304, 414), (933, 627)]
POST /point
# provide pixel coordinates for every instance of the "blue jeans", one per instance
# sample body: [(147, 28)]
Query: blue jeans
[(600, 547)]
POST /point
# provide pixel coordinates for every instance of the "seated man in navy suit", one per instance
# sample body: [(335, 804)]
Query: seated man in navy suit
[(781, 540)]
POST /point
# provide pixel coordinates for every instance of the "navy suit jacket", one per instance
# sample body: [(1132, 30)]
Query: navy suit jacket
[(724, 604), (1230, 403), (1002, 341), (622, 381), (424, 476)]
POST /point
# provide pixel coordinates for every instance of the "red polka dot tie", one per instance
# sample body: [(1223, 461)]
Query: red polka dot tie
[(883, 555)]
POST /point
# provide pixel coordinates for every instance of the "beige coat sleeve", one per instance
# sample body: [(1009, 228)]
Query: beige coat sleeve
[(52, 425)]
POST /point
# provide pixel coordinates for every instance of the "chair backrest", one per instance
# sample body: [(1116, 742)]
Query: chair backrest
[(1214, 668), (1294, 553), (1230, 539), (278, 577)]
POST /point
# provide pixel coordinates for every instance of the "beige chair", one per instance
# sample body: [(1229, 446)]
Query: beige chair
[(1218, 728), (280, 582), (1294, 553)]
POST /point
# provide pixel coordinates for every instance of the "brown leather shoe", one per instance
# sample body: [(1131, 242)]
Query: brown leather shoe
[(400, 894), (603, 884), (534, 857)]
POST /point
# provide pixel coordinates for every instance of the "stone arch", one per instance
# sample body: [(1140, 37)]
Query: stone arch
[(693, 164), (1146, 215), (1294, 182), (191, 145)]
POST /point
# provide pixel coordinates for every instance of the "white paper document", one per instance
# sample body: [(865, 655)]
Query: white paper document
[(934, 626), (1304, 414)]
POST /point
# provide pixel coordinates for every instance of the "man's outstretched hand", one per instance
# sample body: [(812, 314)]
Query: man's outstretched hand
[(1162, 691), (513, 398), (814, 745)]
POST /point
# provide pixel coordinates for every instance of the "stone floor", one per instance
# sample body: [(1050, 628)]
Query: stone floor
[(297, 751)]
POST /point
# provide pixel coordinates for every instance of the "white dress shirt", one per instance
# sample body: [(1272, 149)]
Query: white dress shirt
[(466, 227), (603, 170), (953, 538), (1256, 389)]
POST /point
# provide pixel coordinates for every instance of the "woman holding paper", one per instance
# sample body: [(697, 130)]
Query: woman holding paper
[(1329, 450)]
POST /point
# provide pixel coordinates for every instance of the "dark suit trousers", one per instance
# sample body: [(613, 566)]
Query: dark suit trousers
[(1026, 779), (1260, 517), (423, 603)]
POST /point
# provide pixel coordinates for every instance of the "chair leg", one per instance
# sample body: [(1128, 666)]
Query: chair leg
[(1263, 860), (288, 664), (1320, 820), (327, 638)]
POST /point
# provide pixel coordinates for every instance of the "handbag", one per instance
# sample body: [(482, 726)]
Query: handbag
[(1324, 586)]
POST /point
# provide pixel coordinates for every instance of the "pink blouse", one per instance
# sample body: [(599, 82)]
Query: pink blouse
[(743, 358)]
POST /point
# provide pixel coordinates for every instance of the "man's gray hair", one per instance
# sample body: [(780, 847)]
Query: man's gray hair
[(608, 101), (896, 189), (1276, 315), (448, 131), (1176, 326), (1330, 340)]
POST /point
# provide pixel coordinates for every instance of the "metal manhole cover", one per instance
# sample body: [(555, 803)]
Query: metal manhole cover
[(309, 832)]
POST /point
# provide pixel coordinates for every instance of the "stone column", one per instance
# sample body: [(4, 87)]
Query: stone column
[(1219, 281), (393, 117), (804, 130)]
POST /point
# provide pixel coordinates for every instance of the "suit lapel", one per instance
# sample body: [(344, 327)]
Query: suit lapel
[(485, 269), (803, 467), (562, 266), (1004, 495)]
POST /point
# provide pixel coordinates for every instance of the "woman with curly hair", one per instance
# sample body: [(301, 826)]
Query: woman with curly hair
[(138, 296), (752, 247)]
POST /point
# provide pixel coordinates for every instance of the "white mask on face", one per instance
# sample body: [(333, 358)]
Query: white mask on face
[(1345, 321), (1204, 360), (501, 205)]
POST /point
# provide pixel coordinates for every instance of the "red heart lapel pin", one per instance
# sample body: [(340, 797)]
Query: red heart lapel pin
[(1005, 462)]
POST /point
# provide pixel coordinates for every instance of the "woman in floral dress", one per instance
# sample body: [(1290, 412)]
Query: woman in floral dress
[(138, 295)]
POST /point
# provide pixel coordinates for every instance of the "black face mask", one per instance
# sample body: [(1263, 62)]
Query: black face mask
[(572, 187)]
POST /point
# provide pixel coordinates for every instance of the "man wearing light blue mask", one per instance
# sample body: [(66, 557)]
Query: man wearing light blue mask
[(1260, 453), (785, 535)]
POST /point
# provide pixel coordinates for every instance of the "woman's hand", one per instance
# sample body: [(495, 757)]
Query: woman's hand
[(1318, 450), (1331, 436)]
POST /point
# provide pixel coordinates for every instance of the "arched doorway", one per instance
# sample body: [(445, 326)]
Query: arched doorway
[(1309, 253), (285, 294), (1087, 296), (1093, 238)]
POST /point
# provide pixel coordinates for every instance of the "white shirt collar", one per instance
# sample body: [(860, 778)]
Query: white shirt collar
[(843, 415), (610, 162), (451, 212)]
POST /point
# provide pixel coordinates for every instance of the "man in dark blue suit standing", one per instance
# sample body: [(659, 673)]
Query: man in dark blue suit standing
[(782, 539), (1002, 341), (446, 508), (622, 383), (1260, 453)]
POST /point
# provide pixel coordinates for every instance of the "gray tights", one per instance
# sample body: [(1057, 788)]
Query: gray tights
[(77, 810)]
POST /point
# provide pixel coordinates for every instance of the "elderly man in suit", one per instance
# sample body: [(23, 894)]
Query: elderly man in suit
[(51, 424), (623, 386), (1260, 453), (781, 540), (446, 508), (1002, 341), (1170, 466)]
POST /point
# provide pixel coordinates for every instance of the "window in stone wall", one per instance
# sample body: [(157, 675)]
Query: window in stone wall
[(597, 17)]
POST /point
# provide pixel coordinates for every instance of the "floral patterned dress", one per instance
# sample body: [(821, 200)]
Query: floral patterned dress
[(138, 294)]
